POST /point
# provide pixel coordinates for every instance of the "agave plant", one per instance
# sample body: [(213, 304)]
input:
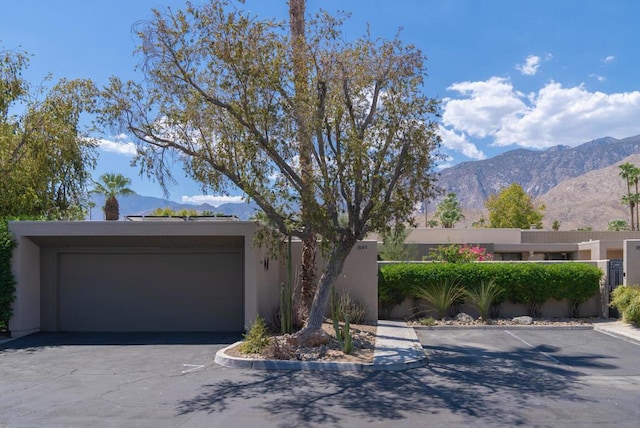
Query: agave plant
[(484, 296), (441, 294)]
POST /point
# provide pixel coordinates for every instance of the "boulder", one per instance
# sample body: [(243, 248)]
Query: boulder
[(462, 317), (523, 320)]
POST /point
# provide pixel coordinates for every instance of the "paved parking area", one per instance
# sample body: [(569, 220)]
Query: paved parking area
[(480, 378)]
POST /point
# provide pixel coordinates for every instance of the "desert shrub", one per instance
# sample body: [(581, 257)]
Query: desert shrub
[(484, 296), (279, 349), (428, 321), (441, 294), (256, 339), (627, 300), (344, 305)]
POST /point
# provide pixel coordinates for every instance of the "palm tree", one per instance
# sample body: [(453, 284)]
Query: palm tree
[(628, 172), (449, 211), (112, 185)]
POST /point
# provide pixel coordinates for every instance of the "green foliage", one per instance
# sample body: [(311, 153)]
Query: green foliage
[(456, 253), (112, 185), (617, 225), (256, 339), (555, 226), (429, 321), (484, 296), (7, 281), (513, 208), (343, 335), (631, 174), (344, 306), (44, 155), (627, 300), (441, 294), (527, 283), (394, 247), (449, 211), (245, 107), (169, 212)]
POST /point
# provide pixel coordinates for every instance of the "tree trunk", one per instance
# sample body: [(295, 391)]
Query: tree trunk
[(302, 116), (111, 209), (308, 273), (334, 266)]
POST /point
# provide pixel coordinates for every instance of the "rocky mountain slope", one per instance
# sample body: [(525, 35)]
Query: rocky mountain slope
[(537, 171)]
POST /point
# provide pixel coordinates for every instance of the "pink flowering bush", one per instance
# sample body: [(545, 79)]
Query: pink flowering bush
[(456, 253)]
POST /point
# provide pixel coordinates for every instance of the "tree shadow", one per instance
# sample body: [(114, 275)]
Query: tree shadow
[(466, 382)]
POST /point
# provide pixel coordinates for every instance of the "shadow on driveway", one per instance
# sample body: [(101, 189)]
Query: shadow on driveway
[(460, 384)]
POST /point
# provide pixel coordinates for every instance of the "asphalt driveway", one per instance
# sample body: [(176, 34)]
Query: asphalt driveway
[(481, 378)]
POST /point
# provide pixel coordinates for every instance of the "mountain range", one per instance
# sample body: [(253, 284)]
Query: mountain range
[(579, 186)]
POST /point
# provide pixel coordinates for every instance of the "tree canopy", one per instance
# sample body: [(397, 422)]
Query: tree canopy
[(112, 185), (449, 211), (220, 95), (631, 175), (44, 156), (513, 208)]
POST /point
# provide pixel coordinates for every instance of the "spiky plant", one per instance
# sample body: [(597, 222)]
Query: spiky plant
[(484, 296), (441, 294)]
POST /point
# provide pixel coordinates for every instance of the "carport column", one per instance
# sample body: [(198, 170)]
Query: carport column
[(631, 261), (26, 270)]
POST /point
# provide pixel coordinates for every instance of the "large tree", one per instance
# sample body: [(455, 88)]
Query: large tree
[(221, 95), (513, 208), (44, 156)]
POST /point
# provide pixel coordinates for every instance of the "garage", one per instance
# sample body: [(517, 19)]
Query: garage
[(133, 284)]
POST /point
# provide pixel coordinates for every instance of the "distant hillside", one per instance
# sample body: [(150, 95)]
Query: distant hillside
[(590, 200), (536, 171), (144, 205)]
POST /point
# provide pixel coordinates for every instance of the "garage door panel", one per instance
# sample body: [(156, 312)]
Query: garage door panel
[(150, 291)]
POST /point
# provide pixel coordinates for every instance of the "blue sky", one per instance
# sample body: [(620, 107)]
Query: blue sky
[(509, 73)]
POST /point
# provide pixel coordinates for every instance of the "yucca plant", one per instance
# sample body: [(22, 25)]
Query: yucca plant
[(484, 296), (441, 295)]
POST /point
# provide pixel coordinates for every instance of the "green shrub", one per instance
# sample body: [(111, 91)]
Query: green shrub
[(256, 339), (528, 283), (627, 300), (429, 321), (483, 297), (441, 294), (7, 281)]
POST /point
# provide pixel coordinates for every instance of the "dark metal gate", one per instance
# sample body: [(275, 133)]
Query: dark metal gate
[(615, 279)]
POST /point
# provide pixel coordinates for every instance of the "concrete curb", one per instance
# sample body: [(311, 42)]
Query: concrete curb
[(503, 327), (412, 356), (617, 334)]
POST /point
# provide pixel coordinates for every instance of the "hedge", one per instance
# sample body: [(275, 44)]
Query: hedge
[(7, 281), (528, 283)]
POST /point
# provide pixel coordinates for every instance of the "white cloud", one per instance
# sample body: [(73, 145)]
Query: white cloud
[(598, 77), (609, 59), (552, 115), (118, 146), (530, 66), (460, 143), (212, 199), (486, 108)]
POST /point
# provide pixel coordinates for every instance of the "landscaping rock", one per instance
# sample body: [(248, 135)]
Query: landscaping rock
[(462, 317), (523, 320)]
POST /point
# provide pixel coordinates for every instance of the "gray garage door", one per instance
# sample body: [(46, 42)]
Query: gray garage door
[(147, 291)]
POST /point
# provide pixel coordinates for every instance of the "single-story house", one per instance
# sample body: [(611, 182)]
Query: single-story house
[(170, 274)]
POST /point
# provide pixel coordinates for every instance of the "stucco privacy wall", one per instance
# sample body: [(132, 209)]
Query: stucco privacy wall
[(27, 269), (631, 264), (359, 275)]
